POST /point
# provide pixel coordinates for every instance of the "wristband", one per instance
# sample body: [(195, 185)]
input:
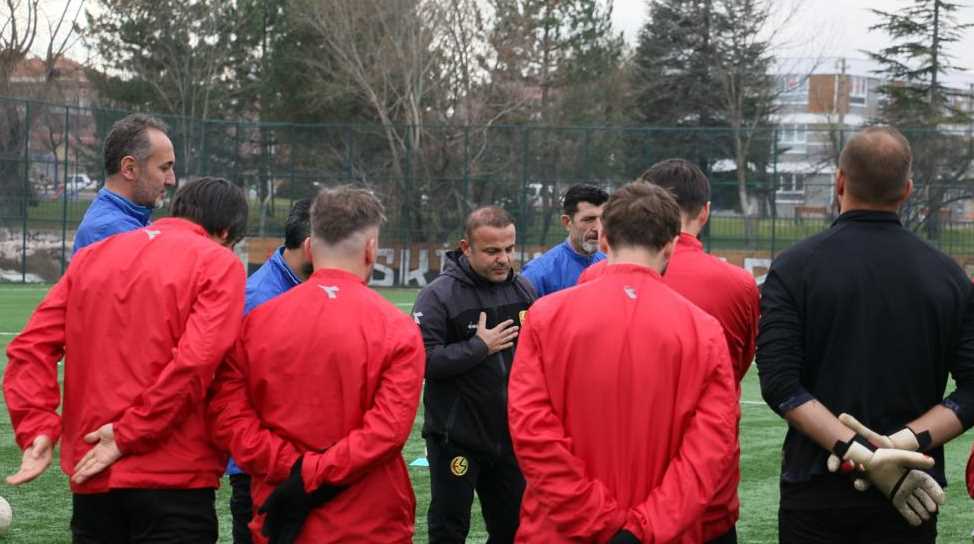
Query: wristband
[(841, 448), (924, 440)]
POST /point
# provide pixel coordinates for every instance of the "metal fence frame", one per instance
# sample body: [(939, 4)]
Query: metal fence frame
[(430, 184)]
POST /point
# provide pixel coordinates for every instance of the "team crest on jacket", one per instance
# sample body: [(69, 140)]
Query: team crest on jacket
[(459, 465), (521, 315)]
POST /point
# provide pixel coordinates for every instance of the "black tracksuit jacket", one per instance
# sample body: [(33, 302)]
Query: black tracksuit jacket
[(465, 396), (870, 320)]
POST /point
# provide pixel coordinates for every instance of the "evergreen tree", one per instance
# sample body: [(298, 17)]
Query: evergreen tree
[(916, 100), (703, 66), (168, 57), (565, 56), (674, 81)]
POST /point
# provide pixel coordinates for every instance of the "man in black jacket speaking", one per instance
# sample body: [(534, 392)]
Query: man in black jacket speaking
[(469, 317)]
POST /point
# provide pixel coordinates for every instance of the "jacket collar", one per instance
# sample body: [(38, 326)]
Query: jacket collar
[(178, 223), (335, 274), (284, 269), (867, 216), (126, 206), (629, 268), (687, 241)]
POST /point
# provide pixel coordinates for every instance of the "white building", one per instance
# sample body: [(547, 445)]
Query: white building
[(821, 102)]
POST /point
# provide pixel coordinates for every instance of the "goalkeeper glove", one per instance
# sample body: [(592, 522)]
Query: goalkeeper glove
[(904, 439), (624, 537), (914, 494), (289, 505)]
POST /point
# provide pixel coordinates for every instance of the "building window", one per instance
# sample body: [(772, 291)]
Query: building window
[(792, 138), (791, 188), (858, 91), (792, 89)]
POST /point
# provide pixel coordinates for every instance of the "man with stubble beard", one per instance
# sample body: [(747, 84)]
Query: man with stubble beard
[(561, 265), (139, 162)]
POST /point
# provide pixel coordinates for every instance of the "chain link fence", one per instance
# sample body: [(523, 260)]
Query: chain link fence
[(430, 177)]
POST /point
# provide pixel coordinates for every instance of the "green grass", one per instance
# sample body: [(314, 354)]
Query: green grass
[(42, 509)]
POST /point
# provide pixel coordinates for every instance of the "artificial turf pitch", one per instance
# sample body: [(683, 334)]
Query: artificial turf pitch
[(42, 509)]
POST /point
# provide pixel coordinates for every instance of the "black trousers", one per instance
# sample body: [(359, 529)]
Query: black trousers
[(730, 537), (241, 508), (145, 516), (455, 474), (874, 525)]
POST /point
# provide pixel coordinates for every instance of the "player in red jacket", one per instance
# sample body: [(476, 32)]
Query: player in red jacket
[(623, 406), (319, 394), (142, 319), (724, 291)]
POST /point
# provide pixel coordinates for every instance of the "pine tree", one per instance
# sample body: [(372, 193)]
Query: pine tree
[(674, 83), (702, 65), (916, 100)]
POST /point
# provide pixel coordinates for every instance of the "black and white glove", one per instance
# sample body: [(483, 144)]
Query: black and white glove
[(904, 439), (914, 494)]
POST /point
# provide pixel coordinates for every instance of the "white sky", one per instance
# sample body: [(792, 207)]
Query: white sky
[(819, 28)]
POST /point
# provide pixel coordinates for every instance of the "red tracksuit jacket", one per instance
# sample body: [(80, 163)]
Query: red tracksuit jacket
[(144, 318), (328, 366), (730, 294), (623, 412), (969, 474)]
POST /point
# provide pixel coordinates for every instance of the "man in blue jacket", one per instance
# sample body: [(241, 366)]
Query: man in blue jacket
[(287, 267), (561, 265), (139, 162)]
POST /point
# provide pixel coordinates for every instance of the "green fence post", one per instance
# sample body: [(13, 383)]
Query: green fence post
[(236, 155), (775, 183), (466, 170), (270, 157), (64, 193), (404, 215), (26, 194), (292, 145), (348, 153), (204, 162), (588, 157), (525, 157)]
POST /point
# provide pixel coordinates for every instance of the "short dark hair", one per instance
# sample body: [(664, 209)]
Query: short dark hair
[(487, 216), (340, 212), (582, 192), (215, 204), (682, 178), (641, 214), (128, 136), (298, 225), (877, 162)]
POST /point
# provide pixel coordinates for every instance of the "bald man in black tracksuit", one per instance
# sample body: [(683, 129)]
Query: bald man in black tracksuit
[(469, 317)]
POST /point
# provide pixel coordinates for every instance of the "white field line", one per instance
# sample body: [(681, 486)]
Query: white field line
[(24, 289)]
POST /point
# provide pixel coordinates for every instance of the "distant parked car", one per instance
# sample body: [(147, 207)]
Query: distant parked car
[(81, 182)]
